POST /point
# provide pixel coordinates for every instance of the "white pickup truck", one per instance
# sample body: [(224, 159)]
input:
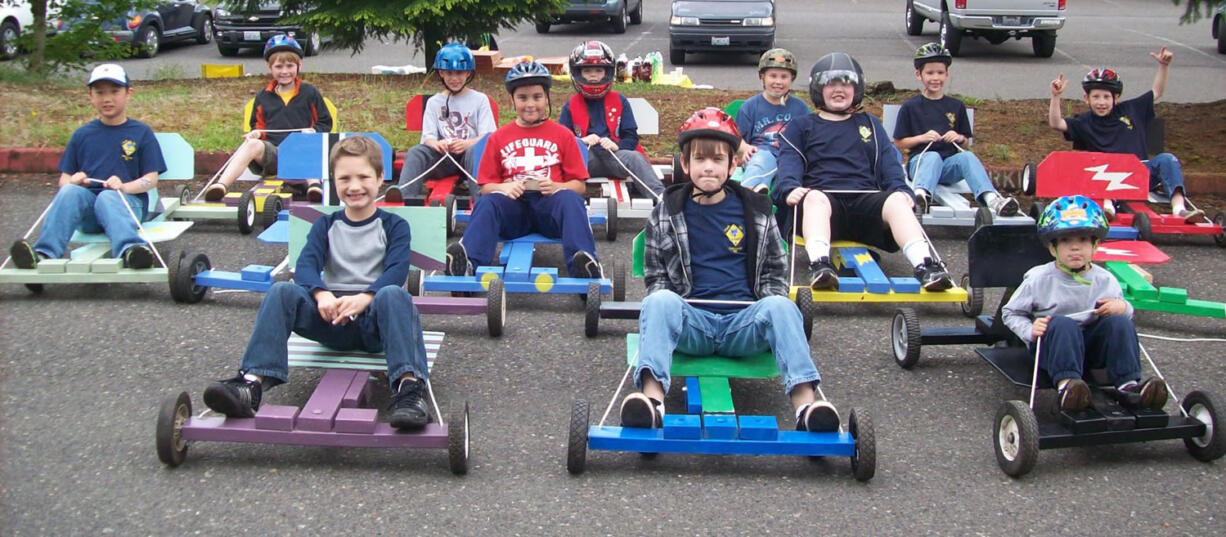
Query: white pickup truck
[(994, 20)]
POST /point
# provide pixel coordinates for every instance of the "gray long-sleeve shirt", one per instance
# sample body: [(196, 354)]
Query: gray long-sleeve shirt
[(1047, 290)]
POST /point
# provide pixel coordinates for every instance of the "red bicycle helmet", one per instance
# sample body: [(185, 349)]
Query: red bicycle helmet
[(709, 122), (1103, 78), (592, 54)]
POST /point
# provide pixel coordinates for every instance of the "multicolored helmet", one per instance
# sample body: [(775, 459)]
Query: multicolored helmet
[(932, 52), (281, 42), (528, 73), (709, 122), (1102, 78), (777, 57), (836, 66), (592, 54), (454, 57), (1072, 215)]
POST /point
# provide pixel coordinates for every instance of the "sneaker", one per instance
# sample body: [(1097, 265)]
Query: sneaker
[(586, 266), (823, 276), (235, 397), (921, 202), (409, 409), (1193, 216), (1149, 393), (641, 412), (215, 192), (24, 256), (394, 196), (1109, 209), (933, 276), (1074, 396), (457, 260), (315, 194), (138, 256), (1004, 206), (818, 417)]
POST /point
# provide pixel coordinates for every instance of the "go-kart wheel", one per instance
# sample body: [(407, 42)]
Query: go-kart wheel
[(808, 310), (450, 203), (457, 440), (272, 207), (1203, 406), (175, 411), (184, 194), (864, 459), (1036, 210), (619, 282), (35, 288), (610, 222), (246, 213), (576, 445), (678, 173), (1140, 222), (414, 282), (182, 276), (905, 335), (591, 317), (496, 307), (1219, 220), (1028, 178), (984, 217), (974, 298), (1015, 434)]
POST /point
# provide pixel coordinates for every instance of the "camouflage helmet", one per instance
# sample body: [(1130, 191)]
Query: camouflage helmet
[(777, 57)]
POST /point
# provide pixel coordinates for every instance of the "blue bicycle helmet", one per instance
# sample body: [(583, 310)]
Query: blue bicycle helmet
[(528, 73), (280, 42), (1072, 215), (454, 57)]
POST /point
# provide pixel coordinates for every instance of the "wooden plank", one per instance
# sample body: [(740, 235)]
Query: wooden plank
[(716, 394), (1134, 284)]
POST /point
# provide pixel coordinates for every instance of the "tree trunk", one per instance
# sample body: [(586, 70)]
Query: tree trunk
[(36, 61), (432, 41)]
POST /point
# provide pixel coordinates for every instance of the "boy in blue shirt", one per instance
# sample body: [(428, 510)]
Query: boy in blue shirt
[(762, 117), (348, 294), (936, 130), (109, 162), (1112, 126), (715, 271)]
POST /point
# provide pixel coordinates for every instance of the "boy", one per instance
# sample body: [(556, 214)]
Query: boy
[(1078, 310), (762, 117), (1112, 126), (286, 104), (534, 166), (935, 130), (453, 122), (602, 118), (838, 166), (348, 294), (710, 240), (109, 162)]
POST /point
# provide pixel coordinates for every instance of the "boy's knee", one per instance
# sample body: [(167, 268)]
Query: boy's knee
[(817, 201), (776, 306), (663, 301), (392, 295), (898, 200), (1118, 324), (1060, 323)]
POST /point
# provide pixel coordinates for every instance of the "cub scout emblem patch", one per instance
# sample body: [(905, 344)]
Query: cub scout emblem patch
[(865, 133), (735, 235), (1127, 122), (950, 116), (128, 147)]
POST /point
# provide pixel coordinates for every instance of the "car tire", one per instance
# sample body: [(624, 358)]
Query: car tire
[(915, 21), (676, 56), (636, 16), (951, 38), (312, 44), (10, 33), (227, 51), (1221, 35), (206, 31), (542, 27), (619, 24), (1043, 44), (148, 41)]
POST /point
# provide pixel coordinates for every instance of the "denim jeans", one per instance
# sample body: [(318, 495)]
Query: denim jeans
[(668, 323), (561, 215), (600, 163), (421, 157), (760, 170), (1069, 349), (390, 325), (76, 207), (1165, 170), (932, 169)]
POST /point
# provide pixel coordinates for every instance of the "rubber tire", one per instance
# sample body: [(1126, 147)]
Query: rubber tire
[(619, 282), (227, 51), (449, 202), (496, 307), (984, 217), (1221, 35), (1025, 437), (905, 330), (619, 23), (1028, 182), (1212, 445), (808, 310), (864, 458), (914, 21), (676, 57), (272, 207), (458, 440), (1036, 210), (610, 222), (591, 311), (414, 283), (1043, 44), (951, 37), (311, 45), (973, 306), (576, 444), (182, 277), (184, 194), (246, 213), (678, 173), (206, 32), (1145, 230), (171, 447), (636, 16), (35, 288), (542, 27), (1219, 219), (148, 41), (10, 33)]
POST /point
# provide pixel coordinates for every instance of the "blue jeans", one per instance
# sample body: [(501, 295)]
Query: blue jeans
[(760, 170), (390, 325), (1165, 170), (1069, 348), (421, 157), (76, 207), (600, 163), (932, 169), (560, 216), (668, 323)]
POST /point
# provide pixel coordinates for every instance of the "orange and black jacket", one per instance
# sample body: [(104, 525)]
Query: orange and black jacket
[(305, 109)]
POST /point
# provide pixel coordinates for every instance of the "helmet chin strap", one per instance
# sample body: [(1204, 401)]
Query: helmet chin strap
[(699, 193)]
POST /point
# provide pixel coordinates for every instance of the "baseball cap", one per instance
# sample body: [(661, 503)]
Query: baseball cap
[(109, 72)]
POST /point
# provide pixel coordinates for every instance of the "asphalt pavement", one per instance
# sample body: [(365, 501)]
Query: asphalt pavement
[(85, 368)]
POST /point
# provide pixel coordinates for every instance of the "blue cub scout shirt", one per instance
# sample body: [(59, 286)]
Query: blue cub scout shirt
[(921, 114), (760, 122), (717, 247), (126, 151), (1120, 131)]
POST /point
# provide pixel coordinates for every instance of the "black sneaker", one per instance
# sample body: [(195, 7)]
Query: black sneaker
[(24, 256), (235, 397), (823, 276), (1004, 206), (138, 257), (585, 266), (409, 405), (818, 417), (457, 260), (921, 203), (315, 194), (1074, 396), (933, 276), (394, 196), (641, 411), (1149, 393)]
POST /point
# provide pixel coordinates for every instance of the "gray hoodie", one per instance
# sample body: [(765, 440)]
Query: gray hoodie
[(1047, 290)]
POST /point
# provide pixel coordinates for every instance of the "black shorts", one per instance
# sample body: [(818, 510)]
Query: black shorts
[(857, 217), (268, 165)]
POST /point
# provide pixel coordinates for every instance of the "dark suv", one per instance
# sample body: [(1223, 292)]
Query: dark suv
[(254, 27), (173, 20), (618, 12), (720, 26)]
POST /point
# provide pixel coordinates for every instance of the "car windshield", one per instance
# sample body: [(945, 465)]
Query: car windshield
[(722, 8)]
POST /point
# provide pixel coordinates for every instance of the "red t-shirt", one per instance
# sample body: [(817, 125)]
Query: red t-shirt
[(514, 152)]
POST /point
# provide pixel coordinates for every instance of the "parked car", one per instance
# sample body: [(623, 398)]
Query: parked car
[(1219, 28), (619, 13), (251, 29), (15, 18), (170, 21), (994, 20), (719, 26)]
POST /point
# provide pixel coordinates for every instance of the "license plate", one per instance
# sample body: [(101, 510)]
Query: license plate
[(251, 36), (1011, 21), (720, 41)]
